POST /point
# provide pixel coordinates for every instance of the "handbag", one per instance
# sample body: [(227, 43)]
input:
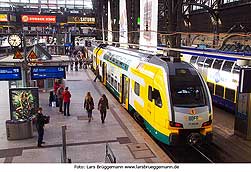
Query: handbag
[(46, 119), (53, 104)]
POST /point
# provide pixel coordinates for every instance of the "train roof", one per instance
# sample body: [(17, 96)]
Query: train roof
[(129, 51), (170, 64)]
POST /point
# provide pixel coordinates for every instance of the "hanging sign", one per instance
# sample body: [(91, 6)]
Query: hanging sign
[(38, 19), (81, 20), (32, 55), (17, 55), (3, 17)]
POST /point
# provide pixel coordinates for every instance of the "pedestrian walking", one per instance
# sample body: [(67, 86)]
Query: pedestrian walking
[(40, 127), (67, 99), (60, 97), (96, 73), (89, 105), (76, 64), (102, 107)]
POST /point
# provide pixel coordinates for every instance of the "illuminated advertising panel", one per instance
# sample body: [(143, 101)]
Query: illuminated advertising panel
[(13, 18), (45, 72), (123, 32), (3, 17), (24, 103), (148, 24), (109, 22), (38, 19), (10, 73), (81, 20)]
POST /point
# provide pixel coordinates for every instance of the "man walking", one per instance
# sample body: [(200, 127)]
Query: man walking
[(66, 98), (102, 107), (60, 97), (96, 73)]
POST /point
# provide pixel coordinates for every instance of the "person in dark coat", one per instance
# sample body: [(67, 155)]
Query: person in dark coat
[(67, 99), (40, 127), (89, 105), (102, 107), (96, 73), (60, 97)]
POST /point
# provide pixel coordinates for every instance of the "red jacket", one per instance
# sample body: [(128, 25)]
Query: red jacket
[(66, 96), (55, 87)]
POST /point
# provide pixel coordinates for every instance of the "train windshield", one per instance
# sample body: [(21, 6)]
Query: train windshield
[(187, 89)]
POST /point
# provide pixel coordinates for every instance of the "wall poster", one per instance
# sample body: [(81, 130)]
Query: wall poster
[(148, 24), (24, 102)]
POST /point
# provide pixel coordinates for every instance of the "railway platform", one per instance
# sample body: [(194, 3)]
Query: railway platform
[(86, 142), (228, 146)]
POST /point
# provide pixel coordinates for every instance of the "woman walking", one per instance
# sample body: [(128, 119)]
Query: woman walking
[(89, 105), (102, 106)]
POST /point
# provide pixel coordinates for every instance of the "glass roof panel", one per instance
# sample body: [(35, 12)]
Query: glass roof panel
[(51, 3)]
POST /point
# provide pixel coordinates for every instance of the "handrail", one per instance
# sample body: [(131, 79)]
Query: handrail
[(109, 155)]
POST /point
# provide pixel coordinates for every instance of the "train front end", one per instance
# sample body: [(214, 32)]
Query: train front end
[(190, 99)]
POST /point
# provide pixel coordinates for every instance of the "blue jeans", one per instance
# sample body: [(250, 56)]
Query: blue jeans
[(66, 107)]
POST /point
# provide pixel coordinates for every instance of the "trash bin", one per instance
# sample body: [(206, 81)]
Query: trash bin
[(17, 130)]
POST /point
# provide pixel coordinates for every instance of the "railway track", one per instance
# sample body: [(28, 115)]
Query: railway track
[(186, 154), (195, 153)]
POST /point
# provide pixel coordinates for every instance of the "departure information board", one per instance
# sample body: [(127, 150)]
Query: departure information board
[(45, 72), (10, 73)]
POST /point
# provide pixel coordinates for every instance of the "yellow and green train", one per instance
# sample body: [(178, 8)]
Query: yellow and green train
[(168, 96)]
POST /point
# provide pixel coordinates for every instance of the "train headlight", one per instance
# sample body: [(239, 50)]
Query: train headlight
[(175, 124)]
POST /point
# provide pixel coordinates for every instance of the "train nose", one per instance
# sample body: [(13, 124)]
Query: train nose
[(194, 139)]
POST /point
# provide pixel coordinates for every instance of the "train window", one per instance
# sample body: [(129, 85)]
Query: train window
[(217, 64), (187, 91), (106, 56), (236, 69), (208, 62), (115, 85), (193, 59), (136, 88), (112, 80), (211, 87), (230, 94), (109, 78), (157, 98), (219, 91), (150, 93), (200, 61), (227, 66)]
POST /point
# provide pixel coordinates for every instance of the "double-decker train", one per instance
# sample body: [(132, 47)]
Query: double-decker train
[(220, 71), (169, 97)]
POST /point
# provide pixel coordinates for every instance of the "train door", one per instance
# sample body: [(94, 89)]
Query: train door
[(158, 86), (149, 109), (125, 82), (104, 73)]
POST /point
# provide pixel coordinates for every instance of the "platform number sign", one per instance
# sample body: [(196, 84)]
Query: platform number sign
[(245, 80)]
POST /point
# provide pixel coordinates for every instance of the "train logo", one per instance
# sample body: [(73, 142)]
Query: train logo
[(217, 77), (192, 112)]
